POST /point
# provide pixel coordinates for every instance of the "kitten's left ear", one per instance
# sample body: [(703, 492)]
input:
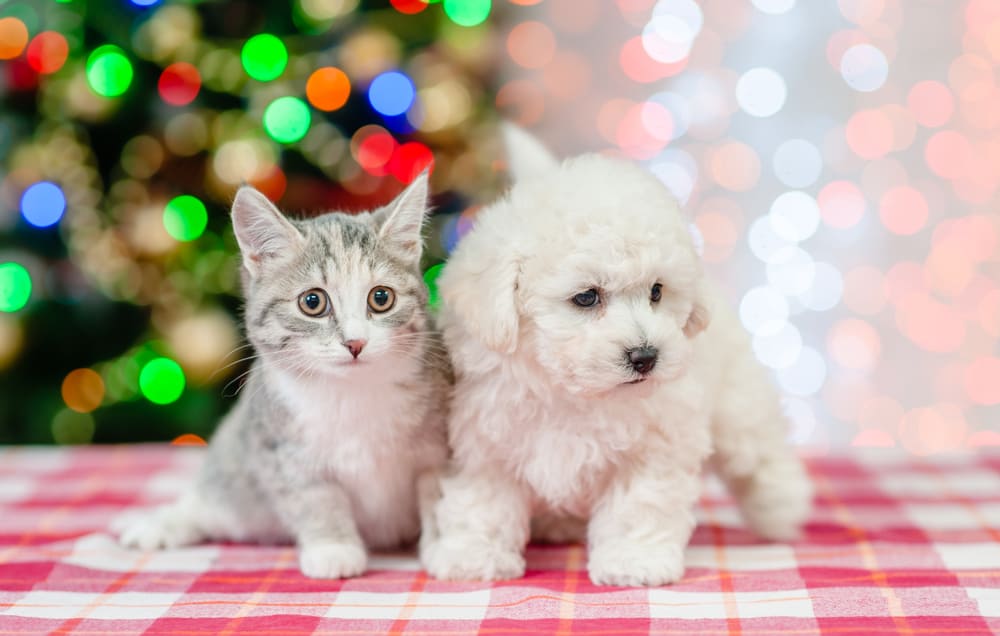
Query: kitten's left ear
[(400, 222)]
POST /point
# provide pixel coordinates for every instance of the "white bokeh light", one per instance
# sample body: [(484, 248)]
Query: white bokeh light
[(777, 344), (802, 418), (864, 68), (794, 216), (761, 92), (680, 110), (827, 288), (774, 7), (805, 376), (669, 34), (797, 163), (762, 305), (791, 270), (678, 171), (764, 241)]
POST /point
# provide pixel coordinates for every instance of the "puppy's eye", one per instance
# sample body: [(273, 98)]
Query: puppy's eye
[(656, 293), (381, 299), (588, 298), (314, 303)]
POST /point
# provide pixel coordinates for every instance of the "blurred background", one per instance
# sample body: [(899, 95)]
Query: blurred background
[(839, 162)]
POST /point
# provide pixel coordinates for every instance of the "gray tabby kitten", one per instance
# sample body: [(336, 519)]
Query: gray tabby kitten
[(344, 408)]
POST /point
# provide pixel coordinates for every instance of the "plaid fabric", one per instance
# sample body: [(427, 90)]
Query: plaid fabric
[(896, 545)]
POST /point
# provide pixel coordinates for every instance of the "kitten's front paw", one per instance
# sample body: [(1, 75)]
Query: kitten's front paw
[(627, 564), (456, 559), (332, 560), (167, 527)]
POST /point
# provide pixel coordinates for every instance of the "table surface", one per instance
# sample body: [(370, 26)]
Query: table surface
[(896, 545)]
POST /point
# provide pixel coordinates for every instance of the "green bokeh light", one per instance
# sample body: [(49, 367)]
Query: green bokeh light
[(70, 427), (467, 12), (109, 72), (430, 278), (161, 380), (185, 217), (264, 57), (15, 287), (287, 119)]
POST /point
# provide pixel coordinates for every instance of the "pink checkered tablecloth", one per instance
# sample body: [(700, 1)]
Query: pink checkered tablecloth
[(896, 545)]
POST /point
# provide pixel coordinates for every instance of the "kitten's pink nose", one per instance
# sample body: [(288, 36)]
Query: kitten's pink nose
[(355, 347)]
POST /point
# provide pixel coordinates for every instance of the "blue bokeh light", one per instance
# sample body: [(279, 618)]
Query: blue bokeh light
[(144, 3), (43, 204), (391, 93)]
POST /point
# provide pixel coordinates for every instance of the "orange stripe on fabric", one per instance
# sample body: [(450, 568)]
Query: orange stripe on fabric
[(419, 583), (725, 576), (574, 559), (284, 558), (967, 503), (844, 515)]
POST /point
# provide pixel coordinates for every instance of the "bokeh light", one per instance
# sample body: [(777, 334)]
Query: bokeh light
[(109, 71), (827, 288), (982, 380), (43, 204), (797, 163), (430, 279), (854, 344), (71, 427), (179, 83), (774, 7), (531, 44), (761, 306), (47, 52), (841, 204), (467, 12), (670, 33), (287, 119), (795, 216), (161, 381), (391, 93), (761, 92), (806, 375), (931, 103), (83, 390), (864, 68), (185, 217), (13, 37), (409, 160), (15, 287), (264, 57), (329, 87), (373, 150), (869, 134), (777, 344), (791, 270), (903, 210)]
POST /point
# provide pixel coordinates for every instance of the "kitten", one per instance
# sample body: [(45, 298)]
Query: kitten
[(344, 407)]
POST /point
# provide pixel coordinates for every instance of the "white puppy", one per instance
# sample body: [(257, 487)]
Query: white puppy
[(592, 385)]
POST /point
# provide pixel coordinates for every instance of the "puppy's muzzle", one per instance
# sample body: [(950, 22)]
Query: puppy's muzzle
[(642, 359)]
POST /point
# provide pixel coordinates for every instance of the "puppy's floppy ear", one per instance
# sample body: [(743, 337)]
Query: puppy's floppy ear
[(526, 155), (700, 316), (479, 286), (400, 222), (262, 231)]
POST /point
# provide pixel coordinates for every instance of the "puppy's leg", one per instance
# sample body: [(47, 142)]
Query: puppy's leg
[(754, 458), (639, 530), (482, 524)]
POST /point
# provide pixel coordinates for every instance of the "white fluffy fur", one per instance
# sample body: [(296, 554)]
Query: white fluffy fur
[(543, 424)]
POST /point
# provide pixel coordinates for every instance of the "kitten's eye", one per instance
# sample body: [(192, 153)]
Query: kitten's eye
[(588, 298), (656, 293), (381, 299), (314, 303)]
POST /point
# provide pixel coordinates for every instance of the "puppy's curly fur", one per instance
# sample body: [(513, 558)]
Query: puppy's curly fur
[(551, 419)]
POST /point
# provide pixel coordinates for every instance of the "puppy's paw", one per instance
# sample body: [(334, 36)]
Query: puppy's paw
[(332, 560), (167, 527), (777, 500), (628, 564), (458, 559)]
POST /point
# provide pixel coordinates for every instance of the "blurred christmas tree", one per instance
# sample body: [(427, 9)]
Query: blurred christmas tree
[(127, 126)]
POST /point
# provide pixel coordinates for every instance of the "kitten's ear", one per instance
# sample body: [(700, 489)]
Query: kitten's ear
[(262, 231), (526, 155), (478, 287), (400, 222)]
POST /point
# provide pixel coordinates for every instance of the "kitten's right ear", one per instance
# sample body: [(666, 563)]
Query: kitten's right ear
[(526, 155), (262, 231), (478, 286)]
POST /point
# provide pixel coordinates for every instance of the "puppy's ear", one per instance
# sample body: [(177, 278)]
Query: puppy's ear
[(526, 155), (700, 316), (481, 291)]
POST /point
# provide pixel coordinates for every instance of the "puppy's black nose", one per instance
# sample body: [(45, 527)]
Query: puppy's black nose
[(642, 359)]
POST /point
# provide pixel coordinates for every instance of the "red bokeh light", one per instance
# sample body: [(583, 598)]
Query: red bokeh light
[(179, 83)]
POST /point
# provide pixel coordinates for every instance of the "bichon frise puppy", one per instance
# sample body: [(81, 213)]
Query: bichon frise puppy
[(596, 370)]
